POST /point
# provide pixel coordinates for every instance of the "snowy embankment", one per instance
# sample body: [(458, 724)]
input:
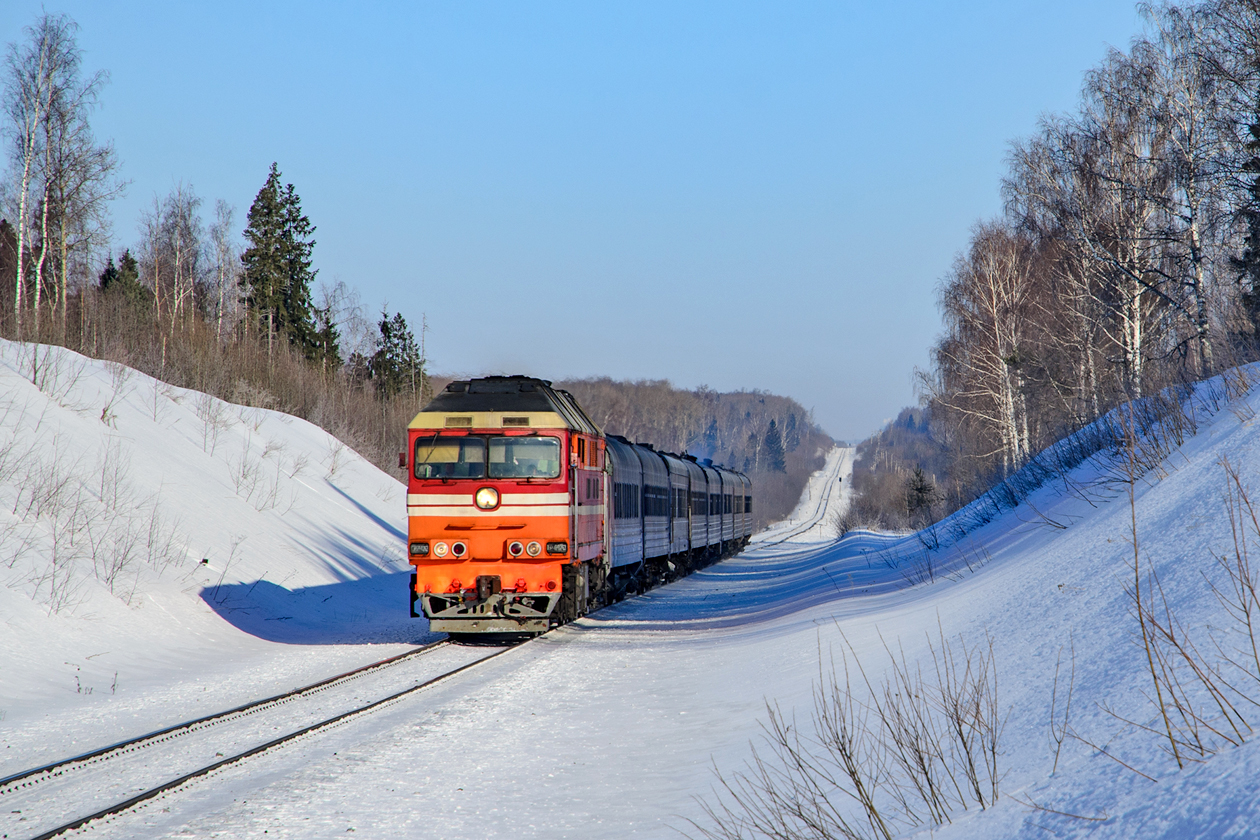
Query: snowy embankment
[(164, 554), (611, 727)]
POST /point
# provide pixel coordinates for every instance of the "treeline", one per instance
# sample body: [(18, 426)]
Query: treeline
[(1127, 259), (196, 304), (771, 438)]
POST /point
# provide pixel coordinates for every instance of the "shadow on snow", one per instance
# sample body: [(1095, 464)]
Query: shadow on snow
[(367, 604)]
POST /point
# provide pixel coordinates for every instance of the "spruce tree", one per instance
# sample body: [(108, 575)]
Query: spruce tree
[(278, 274), (921, 497), (124, 279), (776, 460), (396, 365)]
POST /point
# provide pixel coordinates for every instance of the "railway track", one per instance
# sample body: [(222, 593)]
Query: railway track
[(48, 801), (830, 486)]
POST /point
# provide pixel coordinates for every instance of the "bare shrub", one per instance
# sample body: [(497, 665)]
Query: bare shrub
[(297, 465), (337, 456), (1239, 595), (162, 539), (923, 568), (919, 748), (245, 471), (1201, 696), (1059, 729), (51, 369), (214, 419)]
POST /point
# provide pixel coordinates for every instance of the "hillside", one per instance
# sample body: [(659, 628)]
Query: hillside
[(161, 546), (613, 725)]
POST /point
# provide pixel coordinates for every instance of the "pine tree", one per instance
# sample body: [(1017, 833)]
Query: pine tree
[(278, 275), (396, 366), (299, 244), (776, 459)]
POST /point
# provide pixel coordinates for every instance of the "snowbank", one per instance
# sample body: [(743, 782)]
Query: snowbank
[(610, 727), (164, 554)]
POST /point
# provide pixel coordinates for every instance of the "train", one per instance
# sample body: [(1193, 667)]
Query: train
[(523, 515)]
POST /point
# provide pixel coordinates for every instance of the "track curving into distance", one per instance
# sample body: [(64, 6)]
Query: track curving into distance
[(47, 801), (50, 800), (830, 485)]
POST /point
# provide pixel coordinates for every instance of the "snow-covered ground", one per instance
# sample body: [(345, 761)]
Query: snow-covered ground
[(610, 727), (245, 552)]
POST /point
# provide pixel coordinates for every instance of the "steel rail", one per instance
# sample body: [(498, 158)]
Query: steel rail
[(205, 771), (10, 782), (824, 502)]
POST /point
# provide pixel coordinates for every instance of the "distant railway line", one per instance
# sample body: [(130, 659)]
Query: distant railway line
[(830, 486)]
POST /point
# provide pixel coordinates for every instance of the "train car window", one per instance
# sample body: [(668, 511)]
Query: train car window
[(655, 501), (748, 504), (726, 503), (624, 499), (450, 457), (524, 457)]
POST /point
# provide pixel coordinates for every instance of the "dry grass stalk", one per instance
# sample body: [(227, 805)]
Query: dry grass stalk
[(919, 748)]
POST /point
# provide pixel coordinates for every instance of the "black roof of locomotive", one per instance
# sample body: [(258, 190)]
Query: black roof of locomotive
[(511, 393)]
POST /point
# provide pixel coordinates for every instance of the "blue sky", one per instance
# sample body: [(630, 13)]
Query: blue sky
[(743, 195)]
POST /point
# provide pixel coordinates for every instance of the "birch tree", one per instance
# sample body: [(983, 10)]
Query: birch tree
[(1185, 95), (64, 178), (985, 302), (225, 267), (34, 71)]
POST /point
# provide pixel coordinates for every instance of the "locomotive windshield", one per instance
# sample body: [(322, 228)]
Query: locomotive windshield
[(450, 457), (509, 457), (524, 457)]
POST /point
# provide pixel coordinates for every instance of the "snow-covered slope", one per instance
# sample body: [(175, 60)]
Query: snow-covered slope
[(611, 727), (165, 554)]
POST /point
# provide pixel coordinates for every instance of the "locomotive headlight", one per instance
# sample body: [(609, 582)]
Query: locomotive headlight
[(440, 549), (459, 549), (515, 548), (487, 498), (533, 549)]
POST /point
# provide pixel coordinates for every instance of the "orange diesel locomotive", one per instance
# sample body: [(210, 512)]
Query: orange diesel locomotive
[(519, 519)]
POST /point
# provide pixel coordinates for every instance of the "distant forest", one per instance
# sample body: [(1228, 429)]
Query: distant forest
[(230, 307), (1126, 262), (771, 438)]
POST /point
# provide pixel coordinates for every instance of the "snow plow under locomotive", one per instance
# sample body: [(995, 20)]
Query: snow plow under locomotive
[(523, 515)]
